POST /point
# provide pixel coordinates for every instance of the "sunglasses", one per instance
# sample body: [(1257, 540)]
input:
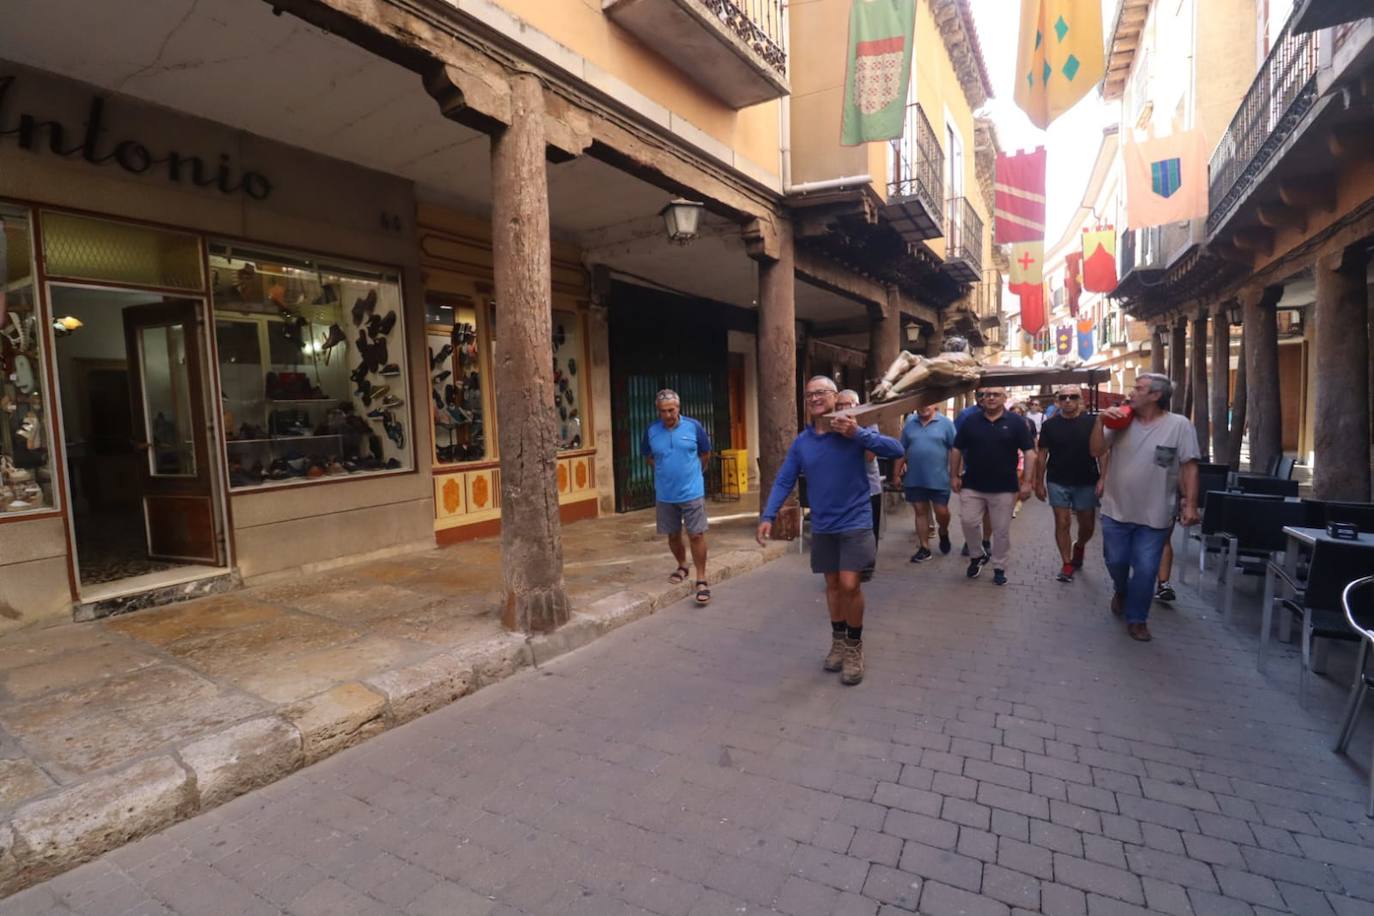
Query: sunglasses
[(1068, 397)]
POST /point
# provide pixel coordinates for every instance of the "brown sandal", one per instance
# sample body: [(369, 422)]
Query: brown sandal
[(703, 593), (679, 575)]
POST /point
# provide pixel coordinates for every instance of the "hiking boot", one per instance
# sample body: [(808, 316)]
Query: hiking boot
[(999, 577), (921, 556), (853, 667), (945, 545), (1139, 632), (1065, 573), (1077, 560), (834, 660), (1165, 592)]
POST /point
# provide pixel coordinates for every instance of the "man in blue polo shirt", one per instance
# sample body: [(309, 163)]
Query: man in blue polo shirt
[(927, 438), (677, 448), (841, 516)]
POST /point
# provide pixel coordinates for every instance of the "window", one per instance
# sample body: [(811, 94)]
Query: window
[(312, 368), (569, 379), (26, 483), (453, 332)]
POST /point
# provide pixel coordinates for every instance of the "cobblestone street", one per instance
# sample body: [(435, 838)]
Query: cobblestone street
[(1010, 750)]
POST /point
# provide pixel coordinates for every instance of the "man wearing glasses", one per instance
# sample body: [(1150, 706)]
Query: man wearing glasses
[(842, 542), (987, 445), (1067, 475)]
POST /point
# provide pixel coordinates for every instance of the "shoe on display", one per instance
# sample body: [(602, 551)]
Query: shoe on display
[(1165, 592), (380, 391), (921, 555), (572, 366), (364, 306), (439, 377), (390, 370), (945, 545), (387, 324), (439, 358), (999, 577), (332, 338), (1065, 573), (374, 324), (392, 402), (392, 464), (328, 294), (360, 373), (393, 431), (376, 414)]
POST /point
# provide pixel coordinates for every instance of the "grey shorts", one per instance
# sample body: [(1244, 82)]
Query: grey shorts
[(673, 516), (843, 551), (1078, 498)]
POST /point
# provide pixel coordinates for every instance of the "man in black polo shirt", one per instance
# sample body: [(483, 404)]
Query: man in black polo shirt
[(1074, 481), (984, 454)]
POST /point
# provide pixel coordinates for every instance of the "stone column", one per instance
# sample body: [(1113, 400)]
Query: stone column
[(1157, 350), (885, 343), (1341, 450), (777, 368), (1221, 384), (531, 533), (1240, 406), (1198, 388), (1178, 364), (1265, 412)]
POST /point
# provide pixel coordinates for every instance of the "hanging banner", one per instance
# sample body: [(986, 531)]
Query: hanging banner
[(1063, 340), (1032, 307), (1059, 56), (1027, 344), (1073, 284), (1027, 265), (879, 70), (1099, 259), (1019, 201), (1166, 179), (1085, 338)]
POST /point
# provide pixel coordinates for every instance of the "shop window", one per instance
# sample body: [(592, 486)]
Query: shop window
[(453, 332), (85, 248), (26, 483), (569, 379), (312, 368)]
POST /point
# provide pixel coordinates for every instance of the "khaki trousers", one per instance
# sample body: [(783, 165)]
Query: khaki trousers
[(999, 506)]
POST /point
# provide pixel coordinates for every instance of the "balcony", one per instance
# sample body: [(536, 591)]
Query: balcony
[(1139, 261), (989, 300), (964, 241), (916, 189), (732, 48), (1283, 92)]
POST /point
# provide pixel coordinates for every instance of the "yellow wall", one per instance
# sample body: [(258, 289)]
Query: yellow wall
[(581, 26), (1225, 60)]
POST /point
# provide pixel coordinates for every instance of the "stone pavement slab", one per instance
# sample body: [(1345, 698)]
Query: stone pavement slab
[(1011, 751)]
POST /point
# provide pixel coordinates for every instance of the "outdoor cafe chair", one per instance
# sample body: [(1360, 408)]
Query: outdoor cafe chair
[(1357, 602), (1206, 532), (1318, 602), (1266, 486), (1252, 533)]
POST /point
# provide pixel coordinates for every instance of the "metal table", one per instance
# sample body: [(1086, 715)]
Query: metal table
[(1297, 539)]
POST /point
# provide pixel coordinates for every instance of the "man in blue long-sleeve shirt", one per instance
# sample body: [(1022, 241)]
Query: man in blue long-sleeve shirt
[(841, 517)]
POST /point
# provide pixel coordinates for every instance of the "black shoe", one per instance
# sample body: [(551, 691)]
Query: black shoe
[(374, 324), (359, 375), (945, 545), (964, 551), (987, 547), (920, 556), (393, 431), (438, 359), (390, 370), (974, 568), (440, 376), (377, 414), (999, 577), (1165, 592), (388, 323)]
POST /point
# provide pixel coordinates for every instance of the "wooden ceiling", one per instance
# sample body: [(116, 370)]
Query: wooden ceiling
[(1125, 39)]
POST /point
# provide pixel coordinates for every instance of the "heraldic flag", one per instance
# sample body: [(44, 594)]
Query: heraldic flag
[(1027, 265), (1085, 338), (1063, 340), (1033, 298), (1059, 57), (1019, 205), (1166, 179), (1099, 259), (879, 69), (1073, 282)]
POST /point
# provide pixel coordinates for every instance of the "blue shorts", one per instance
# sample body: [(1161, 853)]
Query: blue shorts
[(1079, 499), (927, 495)]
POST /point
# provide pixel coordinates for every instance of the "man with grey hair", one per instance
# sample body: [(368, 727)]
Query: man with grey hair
[(677, 448), (1153, 461), (848, 399), (841, 515)]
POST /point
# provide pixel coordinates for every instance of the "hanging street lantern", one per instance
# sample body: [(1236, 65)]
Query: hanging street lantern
[(681, 218)]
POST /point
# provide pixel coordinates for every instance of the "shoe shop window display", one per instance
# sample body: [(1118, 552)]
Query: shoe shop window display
[(310, 363), (25, 463), (455, 368), (569, 392)]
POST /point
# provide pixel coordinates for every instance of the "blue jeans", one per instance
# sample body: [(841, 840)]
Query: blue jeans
[(1132, 553)]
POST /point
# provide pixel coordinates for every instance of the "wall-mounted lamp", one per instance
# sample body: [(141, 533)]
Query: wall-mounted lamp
[(63, 326), (1234, 313), (681, 219)]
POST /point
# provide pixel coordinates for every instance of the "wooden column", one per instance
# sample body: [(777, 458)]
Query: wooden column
[(531, 533), (1221, 385), (1341, 450), (777, 367), (884, 344), (1157, 350), (1197, 386), (1178, 364), (1240, 406), (1265, 413)]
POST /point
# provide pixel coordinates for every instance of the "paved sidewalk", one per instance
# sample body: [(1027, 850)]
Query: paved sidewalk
[(1010, 748), (113, 728)]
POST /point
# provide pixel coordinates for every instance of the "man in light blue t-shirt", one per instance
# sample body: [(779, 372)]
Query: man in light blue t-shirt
[(927, 438), (677, 448)]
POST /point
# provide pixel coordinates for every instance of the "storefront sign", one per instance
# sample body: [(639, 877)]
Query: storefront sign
[(130, 155)]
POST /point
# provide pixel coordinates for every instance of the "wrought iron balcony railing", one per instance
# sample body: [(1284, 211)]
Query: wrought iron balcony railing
[(916, 188), (963, 241), (1140, 249), (1283, 91), (758, 23)]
